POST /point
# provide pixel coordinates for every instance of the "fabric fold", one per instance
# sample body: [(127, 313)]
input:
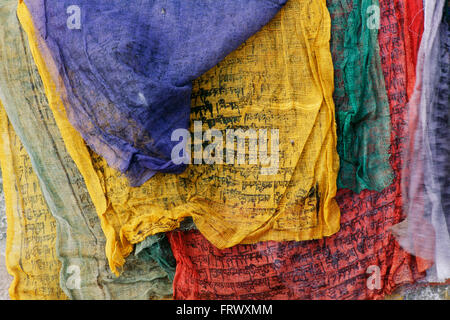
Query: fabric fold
[(426, 231), (5, 277), (362, 260), (79, 241), (362, 106), (124, 69), (287, 102), (31, 233)]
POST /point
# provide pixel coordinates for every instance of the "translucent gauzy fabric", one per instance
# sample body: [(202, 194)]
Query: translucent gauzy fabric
[(157, 248), (347, 264), (31, 256), (5, 277), (279, 82), (78, 239), (400, 31), (124, 68), (413, 27), (362, 107), (426, 233), (99, 201)]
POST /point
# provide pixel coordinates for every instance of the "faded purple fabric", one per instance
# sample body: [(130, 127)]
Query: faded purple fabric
[(127, 67), (426, 172)]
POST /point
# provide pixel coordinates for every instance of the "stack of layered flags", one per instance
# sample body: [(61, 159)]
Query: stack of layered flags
[(257, 149)]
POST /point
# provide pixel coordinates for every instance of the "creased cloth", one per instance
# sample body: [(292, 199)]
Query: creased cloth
[(280, 79), (345, 265), (78, 239), (158, 248), (362, 107), (426, 231), (5, 277), (31, 234), (338, 268), (125, 75)]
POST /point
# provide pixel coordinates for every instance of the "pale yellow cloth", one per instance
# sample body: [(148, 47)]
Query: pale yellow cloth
[(31, 235), (281, 78)]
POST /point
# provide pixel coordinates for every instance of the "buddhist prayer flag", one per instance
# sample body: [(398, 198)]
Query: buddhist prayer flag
[(31, 247), (361, 261), (245, 150), (54, 230), (124, 69), (362, 107), (350, 265), (426, 231), (288, 197)]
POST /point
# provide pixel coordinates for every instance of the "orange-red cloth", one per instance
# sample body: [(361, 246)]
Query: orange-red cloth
[(345, 265)]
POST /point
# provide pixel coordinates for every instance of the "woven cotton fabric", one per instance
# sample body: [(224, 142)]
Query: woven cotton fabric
[(233, 204), (362, 107), (157, 248), (78, 239), (426, 233), (345, 265), (31, 236), (124, 72), (5, 278)]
